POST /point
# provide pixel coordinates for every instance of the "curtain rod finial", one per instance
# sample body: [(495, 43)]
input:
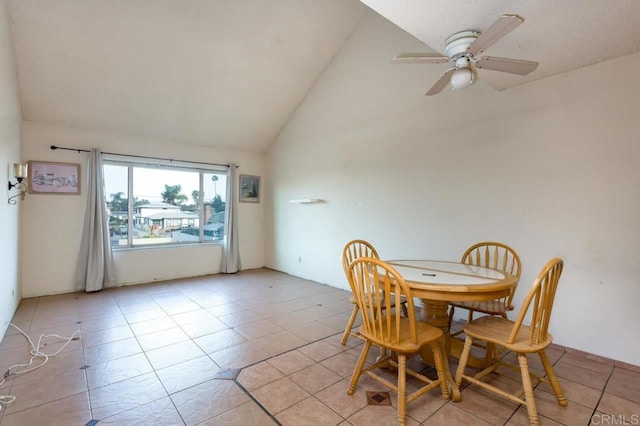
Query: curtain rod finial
[(54, 147)]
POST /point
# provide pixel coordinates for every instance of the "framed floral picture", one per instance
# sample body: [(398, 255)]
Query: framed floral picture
[(249, 189), (54, 178)]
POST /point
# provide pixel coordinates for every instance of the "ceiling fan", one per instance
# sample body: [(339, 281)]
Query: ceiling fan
[(463, 48)]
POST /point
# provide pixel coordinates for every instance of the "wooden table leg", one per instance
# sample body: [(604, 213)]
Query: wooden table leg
[(434, 312)]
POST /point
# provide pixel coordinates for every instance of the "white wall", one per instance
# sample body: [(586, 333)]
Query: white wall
[(10, 118), (52, 224), (550, 168)]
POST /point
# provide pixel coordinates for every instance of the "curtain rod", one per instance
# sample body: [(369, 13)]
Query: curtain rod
[(53, 147)]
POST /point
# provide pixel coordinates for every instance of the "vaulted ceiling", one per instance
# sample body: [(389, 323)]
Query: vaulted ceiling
[(231, 72)]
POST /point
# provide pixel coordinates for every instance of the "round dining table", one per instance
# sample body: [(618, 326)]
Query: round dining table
[(439, 282)]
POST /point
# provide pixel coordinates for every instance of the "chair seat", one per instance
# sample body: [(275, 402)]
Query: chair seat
[(490, 307), (425, 332), (497, 330)]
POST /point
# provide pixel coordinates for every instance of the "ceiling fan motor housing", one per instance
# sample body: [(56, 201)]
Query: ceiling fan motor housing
[(456, 45)]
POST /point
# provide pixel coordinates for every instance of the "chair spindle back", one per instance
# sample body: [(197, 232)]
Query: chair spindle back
[(374, 284), (540, 299), (355, 249)]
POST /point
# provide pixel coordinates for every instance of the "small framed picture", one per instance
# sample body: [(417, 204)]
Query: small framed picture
[(54, 178), (249, 189)]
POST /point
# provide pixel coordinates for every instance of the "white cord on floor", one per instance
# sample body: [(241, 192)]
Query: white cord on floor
[(36, 352)]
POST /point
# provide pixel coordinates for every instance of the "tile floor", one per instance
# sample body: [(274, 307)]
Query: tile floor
[(167, 354)]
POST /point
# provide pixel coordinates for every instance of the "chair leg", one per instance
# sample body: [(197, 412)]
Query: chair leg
[(470, 317), (490, 355), (358, 370), (352, 319), (402, 389), (403, 305), (464, 357), (452, 309), (551, 376), (442, 367), (528, 389)]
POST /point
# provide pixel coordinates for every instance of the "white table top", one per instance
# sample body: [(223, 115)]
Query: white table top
[(441, 272), (441, 280)]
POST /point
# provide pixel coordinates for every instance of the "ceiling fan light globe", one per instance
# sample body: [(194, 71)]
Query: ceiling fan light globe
[(462, 78)]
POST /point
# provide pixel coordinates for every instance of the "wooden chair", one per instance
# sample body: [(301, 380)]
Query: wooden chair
[(372, 283), (353, 250), (490, 255), (521, 339)]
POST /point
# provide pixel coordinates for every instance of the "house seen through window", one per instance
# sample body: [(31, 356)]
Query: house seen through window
[(159, 204)]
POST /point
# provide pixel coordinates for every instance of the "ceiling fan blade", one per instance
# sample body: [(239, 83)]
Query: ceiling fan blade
[(441, 83), (513, 66), (420, 58), (503, 26)]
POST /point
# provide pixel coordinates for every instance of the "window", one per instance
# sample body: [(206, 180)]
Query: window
[(158, 204)]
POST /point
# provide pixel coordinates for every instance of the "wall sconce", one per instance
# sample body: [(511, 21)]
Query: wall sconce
[(20, 171)]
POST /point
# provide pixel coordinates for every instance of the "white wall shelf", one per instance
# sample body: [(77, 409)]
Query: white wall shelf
[(306, 201)]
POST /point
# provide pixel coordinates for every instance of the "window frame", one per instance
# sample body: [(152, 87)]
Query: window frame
[(149, 163)]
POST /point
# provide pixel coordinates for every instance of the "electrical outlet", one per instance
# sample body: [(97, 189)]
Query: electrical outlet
[(299, 259)]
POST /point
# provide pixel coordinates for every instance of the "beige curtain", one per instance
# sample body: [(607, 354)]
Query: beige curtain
[(95, 263), (230, 263)]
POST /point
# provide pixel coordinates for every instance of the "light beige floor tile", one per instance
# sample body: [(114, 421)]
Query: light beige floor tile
[(48, 389), (309, 411), (279, 395), (105, 373), (72, 410), (208, 399), (337, 398), (156, 312), (594, 379), (625, 384), (489, 407), (258, 375), (616, 406), (199, 315), (13, 341), (65, 361), (290, 362), (313, 331), (279, 343), (102, 323), (319, 351), (315, 378), (187, 374), (110, 351), (172, 308), (15, 355), (219, 340), (343, 363), (521, 418), (152, 326), (590, 362), (125, 395), (573, 414), (199, 329), (377, 416), (576, 392), (160, 412), (258, 329), (246, 414), (174, 354), (162, 338), (452, 415), (239, 356), (100, 337)]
